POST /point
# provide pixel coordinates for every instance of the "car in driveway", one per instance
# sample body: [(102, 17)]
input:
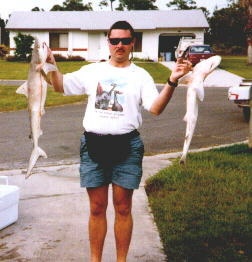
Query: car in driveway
[(241, 95), (197, 53)]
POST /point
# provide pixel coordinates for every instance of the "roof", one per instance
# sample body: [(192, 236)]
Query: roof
[(102, 20)]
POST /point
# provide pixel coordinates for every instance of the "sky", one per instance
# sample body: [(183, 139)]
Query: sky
[(9, 6)]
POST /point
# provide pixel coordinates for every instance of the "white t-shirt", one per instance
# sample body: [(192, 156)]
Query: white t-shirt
[(115, 96)]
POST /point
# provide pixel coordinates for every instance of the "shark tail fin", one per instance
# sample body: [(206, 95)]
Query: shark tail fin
[(36, 153)]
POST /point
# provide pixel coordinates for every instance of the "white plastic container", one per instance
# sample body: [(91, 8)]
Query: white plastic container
[(9, 199)]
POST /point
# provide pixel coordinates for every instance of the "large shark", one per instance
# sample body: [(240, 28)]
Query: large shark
[(35, 89)]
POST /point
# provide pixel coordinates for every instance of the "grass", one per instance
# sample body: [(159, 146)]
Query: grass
[(18, 70), (13, 101), (10, 101), (204, 210), (237, 65)]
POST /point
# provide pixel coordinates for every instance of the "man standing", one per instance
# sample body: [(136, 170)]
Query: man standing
[(111, 148)]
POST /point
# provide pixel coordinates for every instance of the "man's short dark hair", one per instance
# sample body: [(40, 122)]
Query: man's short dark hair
[(124, 25)]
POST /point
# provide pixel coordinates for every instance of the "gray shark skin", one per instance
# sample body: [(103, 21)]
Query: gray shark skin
[(195, 93), (35, 89)]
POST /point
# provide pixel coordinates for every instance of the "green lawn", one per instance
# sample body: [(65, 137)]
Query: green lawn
[(11, 101), (237, 65), (204, 210)]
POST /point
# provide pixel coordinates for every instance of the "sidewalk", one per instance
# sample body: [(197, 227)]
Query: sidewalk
[(53, 218)]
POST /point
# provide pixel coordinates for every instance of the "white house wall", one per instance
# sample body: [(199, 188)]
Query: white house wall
[(149, 46), (81, 43), (97, 46), (78, 44)]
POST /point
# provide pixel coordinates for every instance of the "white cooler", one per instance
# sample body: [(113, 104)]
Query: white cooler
[(9, 198)]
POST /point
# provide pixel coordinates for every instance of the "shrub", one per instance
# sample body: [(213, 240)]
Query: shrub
[(3, 51), (76, 58), (23, 46), (237, 50), (60, 58)]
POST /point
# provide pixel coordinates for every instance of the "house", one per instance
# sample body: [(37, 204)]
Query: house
[(84, 33)]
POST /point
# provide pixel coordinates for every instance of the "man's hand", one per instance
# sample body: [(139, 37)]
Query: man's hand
[(182, 67), (50, 58), (56, 78)]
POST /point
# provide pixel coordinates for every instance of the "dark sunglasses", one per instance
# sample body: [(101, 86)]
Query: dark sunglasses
[(124, 41)]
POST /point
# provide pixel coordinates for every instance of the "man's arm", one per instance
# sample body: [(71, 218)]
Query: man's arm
[(56, 77), (182, 67)]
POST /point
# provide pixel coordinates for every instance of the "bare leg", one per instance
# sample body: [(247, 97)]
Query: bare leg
[(122, 199), (98, 198)]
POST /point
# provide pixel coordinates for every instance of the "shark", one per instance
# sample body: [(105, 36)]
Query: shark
[(195, 94), (35, 89)]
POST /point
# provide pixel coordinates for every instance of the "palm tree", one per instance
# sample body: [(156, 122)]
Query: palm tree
[(248, 29)]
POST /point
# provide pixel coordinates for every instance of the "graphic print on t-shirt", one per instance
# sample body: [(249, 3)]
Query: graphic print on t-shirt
[(107, 97)]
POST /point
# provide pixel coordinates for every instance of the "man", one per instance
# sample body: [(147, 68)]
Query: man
[(111, 149)]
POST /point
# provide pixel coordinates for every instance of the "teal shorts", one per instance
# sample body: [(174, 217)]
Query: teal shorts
[(126, 174)]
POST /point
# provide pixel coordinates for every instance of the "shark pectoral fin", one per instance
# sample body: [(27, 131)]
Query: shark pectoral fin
[(185, 118), (23, 89), (49, 68), (200, 92)]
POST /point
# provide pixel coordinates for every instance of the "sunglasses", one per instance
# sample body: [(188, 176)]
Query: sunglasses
[(124, 41)]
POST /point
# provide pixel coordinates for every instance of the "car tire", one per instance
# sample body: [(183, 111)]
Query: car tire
[(246, 113)]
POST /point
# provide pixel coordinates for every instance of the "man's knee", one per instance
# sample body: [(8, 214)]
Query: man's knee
[(98, 209), (122, 209)]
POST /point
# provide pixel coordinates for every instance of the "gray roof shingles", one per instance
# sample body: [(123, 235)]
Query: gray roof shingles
[(102, 20)]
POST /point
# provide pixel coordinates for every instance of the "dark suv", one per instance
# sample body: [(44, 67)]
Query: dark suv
[(197, 53)]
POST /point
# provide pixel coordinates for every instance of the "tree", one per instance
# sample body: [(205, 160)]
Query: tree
[(37, 9), (4, 35), (73, 5), (187, 5), (183, 4), (227, 27), (23, 46), (137, 5), (105, 3), (247, 4)]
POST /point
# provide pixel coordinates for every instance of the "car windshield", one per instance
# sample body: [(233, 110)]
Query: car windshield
[(200, 49)]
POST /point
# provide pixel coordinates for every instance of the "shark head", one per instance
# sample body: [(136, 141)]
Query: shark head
[(40, 52), (207, 66)]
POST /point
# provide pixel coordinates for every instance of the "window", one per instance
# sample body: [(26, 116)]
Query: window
[(201, 49), (138, 43), (58, 40)]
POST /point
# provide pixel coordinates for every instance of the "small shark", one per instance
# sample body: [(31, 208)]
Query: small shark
[(195, 92)]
